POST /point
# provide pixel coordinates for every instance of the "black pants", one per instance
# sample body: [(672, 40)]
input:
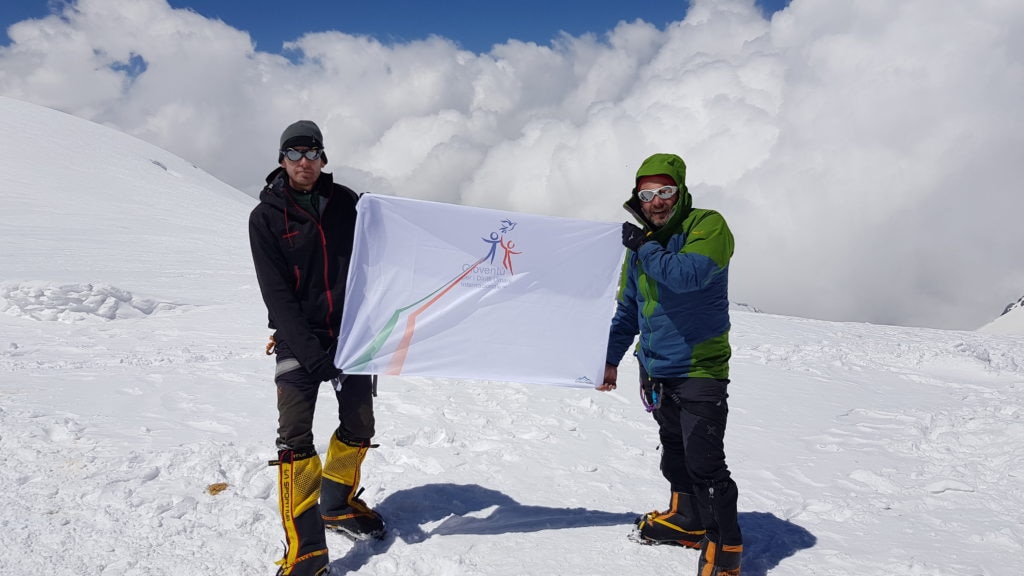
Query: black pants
[(296, 400), (691, 425)]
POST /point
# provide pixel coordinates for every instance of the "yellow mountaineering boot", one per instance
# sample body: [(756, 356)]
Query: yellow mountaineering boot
[(298, 488), (679, 525), (719, 560), (341, 508)]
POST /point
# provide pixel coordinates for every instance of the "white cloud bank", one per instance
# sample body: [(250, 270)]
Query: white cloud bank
[(867, 155)]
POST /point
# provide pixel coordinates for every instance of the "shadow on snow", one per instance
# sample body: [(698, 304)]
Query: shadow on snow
[(768, 540), (407, 511)]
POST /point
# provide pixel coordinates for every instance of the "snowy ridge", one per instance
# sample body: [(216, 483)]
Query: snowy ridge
[(1013, 305), (114, 211), (858, 449), (1011, 321), (742, 306)]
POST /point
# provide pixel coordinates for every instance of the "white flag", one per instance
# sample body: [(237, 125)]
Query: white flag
[(453, 291)]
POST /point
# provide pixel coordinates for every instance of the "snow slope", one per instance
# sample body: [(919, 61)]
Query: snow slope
[(132, 377), (1011, 321)]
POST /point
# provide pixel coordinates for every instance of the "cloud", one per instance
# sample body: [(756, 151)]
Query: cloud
[(866, 155)]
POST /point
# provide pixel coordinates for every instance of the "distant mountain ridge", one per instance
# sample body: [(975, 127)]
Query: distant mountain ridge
[(743, 306), (1011, 321), (1019, 303)]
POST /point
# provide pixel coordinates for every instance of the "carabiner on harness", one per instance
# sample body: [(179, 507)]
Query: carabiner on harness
[(650, 394)]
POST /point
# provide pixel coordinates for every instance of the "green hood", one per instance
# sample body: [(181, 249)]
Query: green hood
[(672, 166)]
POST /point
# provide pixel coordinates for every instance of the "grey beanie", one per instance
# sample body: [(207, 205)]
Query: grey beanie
[(302, 133)]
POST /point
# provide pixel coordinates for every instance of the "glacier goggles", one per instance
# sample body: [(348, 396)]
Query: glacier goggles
[(296, 155), (665, 192)]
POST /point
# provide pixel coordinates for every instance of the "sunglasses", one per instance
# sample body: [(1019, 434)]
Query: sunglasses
[(665, 192), (296, 155)]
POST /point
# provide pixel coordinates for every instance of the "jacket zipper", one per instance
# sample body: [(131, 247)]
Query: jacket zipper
[(323, 253)]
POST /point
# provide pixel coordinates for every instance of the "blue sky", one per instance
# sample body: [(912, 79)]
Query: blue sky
[(476, 25)]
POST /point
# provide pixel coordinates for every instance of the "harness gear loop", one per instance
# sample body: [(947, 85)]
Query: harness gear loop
[(651, 393)]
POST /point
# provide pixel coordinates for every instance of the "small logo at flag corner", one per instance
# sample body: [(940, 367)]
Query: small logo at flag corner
[(583, 380)]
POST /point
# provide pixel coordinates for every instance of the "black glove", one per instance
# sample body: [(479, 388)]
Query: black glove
[(327, 370), (633, 237)]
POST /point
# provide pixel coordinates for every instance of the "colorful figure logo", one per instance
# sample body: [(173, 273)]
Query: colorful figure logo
[(498, 239)]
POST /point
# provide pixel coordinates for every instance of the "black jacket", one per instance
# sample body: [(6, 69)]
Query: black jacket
[(302, 266)]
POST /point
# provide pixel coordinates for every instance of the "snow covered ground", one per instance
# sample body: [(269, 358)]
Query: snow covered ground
[(132, 377)]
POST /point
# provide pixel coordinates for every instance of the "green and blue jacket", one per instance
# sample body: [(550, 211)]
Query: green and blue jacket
[(673, 291)]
